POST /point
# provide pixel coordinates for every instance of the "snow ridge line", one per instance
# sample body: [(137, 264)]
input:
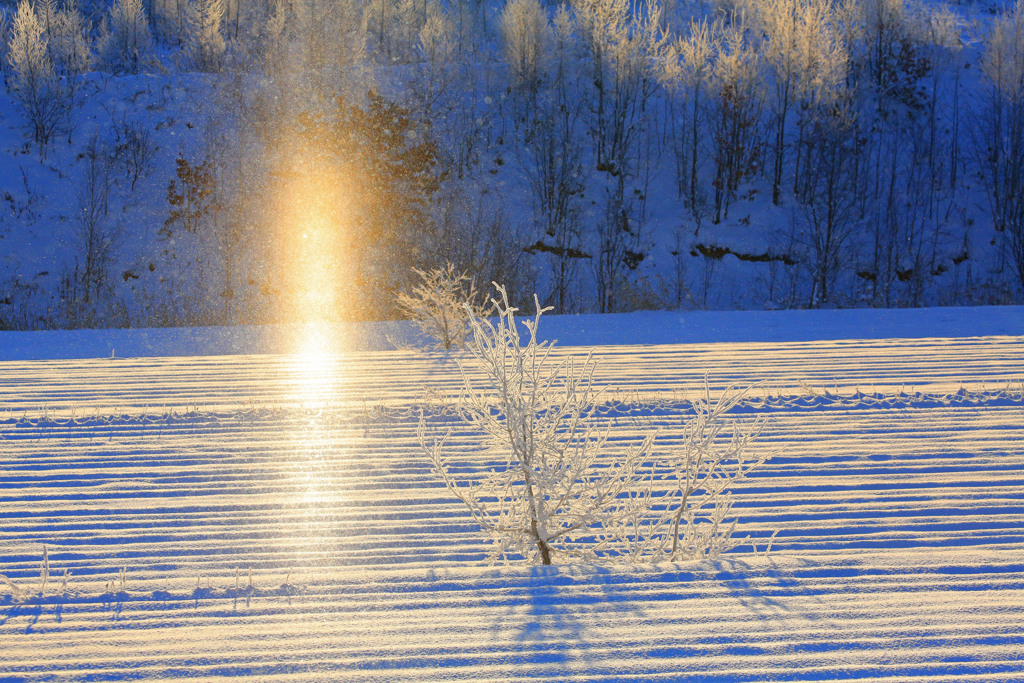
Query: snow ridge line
[(672, 372), (811, 398)]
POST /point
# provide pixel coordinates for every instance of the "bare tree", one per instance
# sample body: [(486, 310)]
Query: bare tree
[(378, 19), (625, 51), (133, 147), (736, 113), (549, 487), (806, 60), (35, 84), (205, 41), (126, 42), (779, 20), (890, 45), (171, 19), (697, 51), (275, 39), (442, 304), (552, 164), (526, 38), (6, 33), (827, 197), (96, 233), (436, 71), (551, 159), (686, 70), (327, 41), (545, 488), (1001, 129), (71, 46)]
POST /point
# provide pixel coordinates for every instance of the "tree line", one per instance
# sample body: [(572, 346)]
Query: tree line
[(586, 150)]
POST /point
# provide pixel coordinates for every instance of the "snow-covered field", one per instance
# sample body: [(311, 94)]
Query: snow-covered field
[(275, 518)]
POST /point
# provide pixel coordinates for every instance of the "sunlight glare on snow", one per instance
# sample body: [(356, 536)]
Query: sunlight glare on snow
[(313, 380), (314, 365)]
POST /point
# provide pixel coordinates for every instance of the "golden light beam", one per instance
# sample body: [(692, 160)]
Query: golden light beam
[(315, 274), (315, 267)]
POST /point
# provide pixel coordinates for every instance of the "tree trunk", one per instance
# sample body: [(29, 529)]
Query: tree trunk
[(545, 552), (542, 545)]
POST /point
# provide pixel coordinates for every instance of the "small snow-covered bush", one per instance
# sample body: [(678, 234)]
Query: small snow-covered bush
[(442, 305), (552, 490)]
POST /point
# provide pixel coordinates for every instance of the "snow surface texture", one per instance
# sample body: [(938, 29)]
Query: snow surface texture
[(895, 489)]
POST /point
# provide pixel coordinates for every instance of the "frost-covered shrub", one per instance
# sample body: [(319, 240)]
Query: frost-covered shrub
[(551, 490), (442, 305)]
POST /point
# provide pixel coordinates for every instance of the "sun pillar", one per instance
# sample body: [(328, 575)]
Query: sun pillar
[(315, 272)]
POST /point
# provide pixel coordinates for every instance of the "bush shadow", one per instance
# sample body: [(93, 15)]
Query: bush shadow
[(557, 606)]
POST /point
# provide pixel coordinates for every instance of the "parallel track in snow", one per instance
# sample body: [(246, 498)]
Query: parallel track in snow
[(900, 552), (109, 385)]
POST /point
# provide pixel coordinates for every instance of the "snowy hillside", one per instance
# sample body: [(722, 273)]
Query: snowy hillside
[(224, 162), (273, 517), (155, 117)]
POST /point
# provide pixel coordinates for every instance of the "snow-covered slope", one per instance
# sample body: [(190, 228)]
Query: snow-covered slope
[(899, 517), (910, 215)]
